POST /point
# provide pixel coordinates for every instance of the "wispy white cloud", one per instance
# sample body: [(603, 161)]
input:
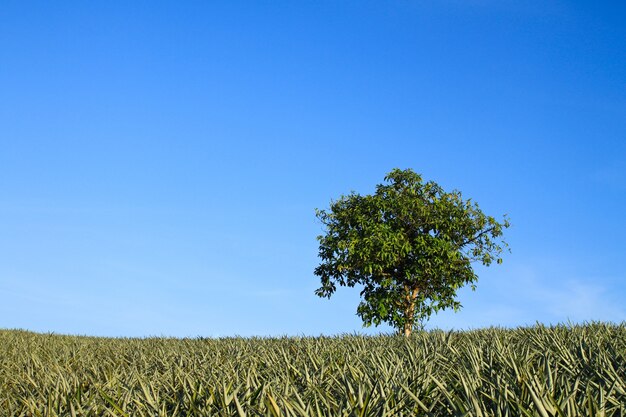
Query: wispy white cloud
[(576, 300), (526, 295)]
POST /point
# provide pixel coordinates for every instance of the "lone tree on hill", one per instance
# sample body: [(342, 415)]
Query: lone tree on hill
[(410, 245)]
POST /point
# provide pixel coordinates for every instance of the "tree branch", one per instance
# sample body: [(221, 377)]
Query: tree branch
[(478, 236)]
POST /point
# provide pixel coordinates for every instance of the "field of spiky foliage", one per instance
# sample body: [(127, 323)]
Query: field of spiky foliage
[(535, 371)]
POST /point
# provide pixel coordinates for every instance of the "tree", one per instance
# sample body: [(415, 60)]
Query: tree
[(410, 245)]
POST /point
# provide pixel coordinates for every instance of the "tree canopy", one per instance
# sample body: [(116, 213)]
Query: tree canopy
[(411, 245)]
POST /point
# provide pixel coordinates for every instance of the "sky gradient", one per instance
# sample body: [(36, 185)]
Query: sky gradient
[(160, 162)]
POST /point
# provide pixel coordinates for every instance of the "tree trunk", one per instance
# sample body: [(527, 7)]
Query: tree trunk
[(409, 311), (408, 328)]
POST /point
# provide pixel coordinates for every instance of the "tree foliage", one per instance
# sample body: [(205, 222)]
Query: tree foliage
[(410, 245)]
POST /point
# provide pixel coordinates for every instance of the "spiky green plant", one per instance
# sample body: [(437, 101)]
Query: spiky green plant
[(574, 370)]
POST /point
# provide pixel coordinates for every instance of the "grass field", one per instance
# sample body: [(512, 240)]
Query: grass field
[(534, 371)]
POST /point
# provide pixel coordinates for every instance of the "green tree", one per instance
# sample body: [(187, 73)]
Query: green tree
[(410, 245)]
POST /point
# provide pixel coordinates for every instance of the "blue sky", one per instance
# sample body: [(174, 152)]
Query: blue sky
[(160, 162)]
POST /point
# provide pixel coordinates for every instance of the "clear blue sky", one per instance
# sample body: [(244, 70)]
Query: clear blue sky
[(160, 162)]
